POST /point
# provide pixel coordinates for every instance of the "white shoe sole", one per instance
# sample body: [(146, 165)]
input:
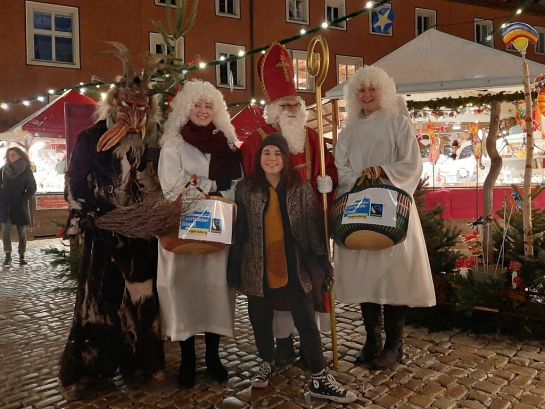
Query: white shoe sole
[(260, 385), (346, 399)]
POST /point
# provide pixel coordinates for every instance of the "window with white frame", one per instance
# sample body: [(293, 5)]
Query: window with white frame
[(335, 9), (424, 20), (232, 73), (381, 20), (297, 11), (303, 81), (347, 66), (483, 32), (52, 35), (540, 47), (228, 8), (157, 45)]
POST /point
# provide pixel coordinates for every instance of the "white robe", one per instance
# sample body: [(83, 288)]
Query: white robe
[(399, 275), (193, 293)]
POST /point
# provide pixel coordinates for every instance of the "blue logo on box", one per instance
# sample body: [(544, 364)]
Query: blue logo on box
[(197, 221)]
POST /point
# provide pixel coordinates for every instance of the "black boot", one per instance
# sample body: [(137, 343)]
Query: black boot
[(372, 320), (186, 376), (284, 351), (393, 347), (22, 260), (7, 260), (214, 367)]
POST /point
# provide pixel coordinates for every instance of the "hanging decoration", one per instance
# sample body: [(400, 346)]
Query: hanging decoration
[(382, 20), (435, 143), (519, 35)]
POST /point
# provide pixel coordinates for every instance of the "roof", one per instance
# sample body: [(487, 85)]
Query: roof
[(48, 121), (437, 64)]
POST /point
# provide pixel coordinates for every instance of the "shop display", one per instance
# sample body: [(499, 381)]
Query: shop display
[(469, 171), (49, 161)]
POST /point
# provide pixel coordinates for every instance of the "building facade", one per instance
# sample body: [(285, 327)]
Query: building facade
[(55, 44)]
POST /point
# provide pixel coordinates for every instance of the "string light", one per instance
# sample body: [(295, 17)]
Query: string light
[(262, 102), (252, 101), (103, 95), (4, 106), (41, 98), (241, 54)]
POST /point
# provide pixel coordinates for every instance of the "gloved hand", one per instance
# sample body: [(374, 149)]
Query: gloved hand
[(325, 184)]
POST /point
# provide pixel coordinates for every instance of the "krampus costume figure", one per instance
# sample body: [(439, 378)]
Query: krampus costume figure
[(116, 317)]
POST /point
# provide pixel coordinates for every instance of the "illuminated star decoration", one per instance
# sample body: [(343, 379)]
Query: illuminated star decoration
[(383, 20)]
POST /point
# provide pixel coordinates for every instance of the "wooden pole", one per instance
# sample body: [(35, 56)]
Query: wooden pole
[(317, 66), (527, 186)]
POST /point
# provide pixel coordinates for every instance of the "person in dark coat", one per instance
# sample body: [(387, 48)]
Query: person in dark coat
[(116, 321), (17, 185)]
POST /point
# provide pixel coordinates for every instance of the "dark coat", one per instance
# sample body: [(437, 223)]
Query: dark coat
[(247, 252), (15, 194)]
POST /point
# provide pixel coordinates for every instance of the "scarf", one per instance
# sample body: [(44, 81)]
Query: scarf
[(224, 163), (15, 169), (275, 251)]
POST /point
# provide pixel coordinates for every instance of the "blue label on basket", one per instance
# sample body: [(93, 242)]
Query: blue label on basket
[(373, 206), (361, 208), (197, 222)]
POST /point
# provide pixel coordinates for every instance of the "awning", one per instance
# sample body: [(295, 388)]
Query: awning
[(437, 64), (49, 121)]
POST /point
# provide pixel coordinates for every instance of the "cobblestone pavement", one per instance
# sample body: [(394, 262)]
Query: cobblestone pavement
[(442, 370)]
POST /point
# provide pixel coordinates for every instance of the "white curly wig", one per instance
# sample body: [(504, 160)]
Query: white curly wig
[(184, 102), (370, 76)]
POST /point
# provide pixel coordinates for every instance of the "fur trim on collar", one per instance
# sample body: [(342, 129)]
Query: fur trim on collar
[(185, 101)]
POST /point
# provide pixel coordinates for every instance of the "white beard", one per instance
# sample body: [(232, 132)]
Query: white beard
[(293, 129)]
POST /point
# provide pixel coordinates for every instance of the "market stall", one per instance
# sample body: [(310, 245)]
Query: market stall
[(427, 68), (48, 136)]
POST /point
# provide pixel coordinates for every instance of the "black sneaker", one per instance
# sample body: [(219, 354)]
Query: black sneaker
[(326, 387), (22, 261), (263, 376), (7, 260)]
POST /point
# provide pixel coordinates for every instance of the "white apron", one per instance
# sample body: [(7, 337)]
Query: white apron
[(399, 275), (193, 293)]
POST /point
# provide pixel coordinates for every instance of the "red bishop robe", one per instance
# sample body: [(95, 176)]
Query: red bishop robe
[(307, 163)]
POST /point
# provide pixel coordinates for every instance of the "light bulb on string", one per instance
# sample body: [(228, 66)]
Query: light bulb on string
[(202, 65), (324, 25), (302, 31), (51, 91), (26, 103), (4, 106)]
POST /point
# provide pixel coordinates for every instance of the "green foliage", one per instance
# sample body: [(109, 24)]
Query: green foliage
[(533, 268), (185, 12), (440, 237), (468, 292), (67, 264)]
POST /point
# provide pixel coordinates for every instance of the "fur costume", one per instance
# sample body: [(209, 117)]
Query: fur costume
[(116, 317)]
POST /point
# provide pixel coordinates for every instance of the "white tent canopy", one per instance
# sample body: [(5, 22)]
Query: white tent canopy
[(437, 64)]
